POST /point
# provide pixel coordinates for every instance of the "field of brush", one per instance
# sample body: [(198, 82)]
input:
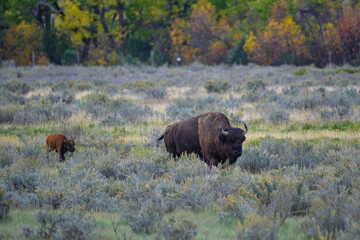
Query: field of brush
[(298, 177)]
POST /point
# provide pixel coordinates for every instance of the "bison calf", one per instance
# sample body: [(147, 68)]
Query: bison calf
[(209, 135), (60, 143)]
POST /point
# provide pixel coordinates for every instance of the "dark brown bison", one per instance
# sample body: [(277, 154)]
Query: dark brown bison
[(60, 143), (209, 135)]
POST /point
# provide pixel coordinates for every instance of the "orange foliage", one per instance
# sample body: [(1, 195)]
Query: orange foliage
[(279, 39), (349, 27), (19, 43), (279, 11), (253, 49), (331, 39), (206, 34), (217, 54), (180, 41)]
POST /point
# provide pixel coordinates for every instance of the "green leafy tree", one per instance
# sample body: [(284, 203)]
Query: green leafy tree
[(238, 54)]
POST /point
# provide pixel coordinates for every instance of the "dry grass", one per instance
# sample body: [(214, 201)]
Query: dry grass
[(13, 140), (38, 92), (82, 94), (305, 135)]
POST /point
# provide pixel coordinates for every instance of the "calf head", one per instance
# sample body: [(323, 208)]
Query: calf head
[(69, 145), (232, 140)]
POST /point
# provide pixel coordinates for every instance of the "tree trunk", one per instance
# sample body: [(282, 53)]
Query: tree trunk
[(37, 13), (106, 30), (120, 8), (47, 18), (85, 52), (170, 18), (353, 3)]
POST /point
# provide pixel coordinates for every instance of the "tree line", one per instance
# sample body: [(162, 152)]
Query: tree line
[(110, 32)]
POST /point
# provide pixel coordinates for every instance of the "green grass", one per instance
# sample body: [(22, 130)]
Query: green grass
[(309, 126), (19, 218), (209, 226), (348, 70), (93, 136), (300, 72), (292, 230), (17, 130), (207, 221)]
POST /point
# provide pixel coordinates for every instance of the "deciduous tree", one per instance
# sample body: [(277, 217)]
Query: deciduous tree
[(281, 41), (349, 27), (19, 43)]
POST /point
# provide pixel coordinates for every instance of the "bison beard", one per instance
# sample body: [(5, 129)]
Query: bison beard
[(209, 135), (60, 143)]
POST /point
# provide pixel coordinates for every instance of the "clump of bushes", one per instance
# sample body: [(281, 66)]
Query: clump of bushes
[(274, 154), (16, 86), (4, 206), (37, 112), (67, 225), (184, 108), (7, 113), (333, 212), (117, 111), (300, 72), (139, 86), (256, 85), (155, 92), (276, 114), (237, 206), (144, 217), (182, 229), (258, 227), (7, 98), (217, 86), (81, 86)]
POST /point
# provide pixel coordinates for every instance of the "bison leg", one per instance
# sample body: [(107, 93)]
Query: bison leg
[(172, 151), (210, 160)]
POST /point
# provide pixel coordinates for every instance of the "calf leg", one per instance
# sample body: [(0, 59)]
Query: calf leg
[(62, 157)]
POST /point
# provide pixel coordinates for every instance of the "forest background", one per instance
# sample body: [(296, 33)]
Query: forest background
[(112, 32)]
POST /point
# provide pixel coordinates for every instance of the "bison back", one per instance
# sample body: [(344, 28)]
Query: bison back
[(54, 142), (182, 137)]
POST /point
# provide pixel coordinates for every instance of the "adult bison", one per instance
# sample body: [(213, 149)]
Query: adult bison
[(60, 143), (209, 135)]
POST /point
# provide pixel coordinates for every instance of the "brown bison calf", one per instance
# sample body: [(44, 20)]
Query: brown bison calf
[(60, 143), (209, 135)]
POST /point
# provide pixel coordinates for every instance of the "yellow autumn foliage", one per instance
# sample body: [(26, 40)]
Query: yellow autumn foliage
[(279, 38), (332, 39), (19, 43)]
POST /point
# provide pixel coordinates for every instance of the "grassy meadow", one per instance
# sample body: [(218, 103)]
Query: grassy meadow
[(298, 177)]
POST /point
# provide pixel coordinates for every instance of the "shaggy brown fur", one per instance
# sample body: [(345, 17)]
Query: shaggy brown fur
[(182, 137), (60, 143), (209, 135)]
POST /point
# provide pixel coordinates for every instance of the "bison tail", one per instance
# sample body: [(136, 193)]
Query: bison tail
[(159, 139)]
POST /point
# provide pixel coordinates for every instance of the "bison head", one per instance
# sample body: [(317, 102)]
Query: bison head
[(69, 145), (231, 140)]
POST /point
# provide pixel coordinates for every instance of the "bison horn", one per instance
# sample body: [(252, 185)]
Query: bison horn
[(222, 131), (246, 129)]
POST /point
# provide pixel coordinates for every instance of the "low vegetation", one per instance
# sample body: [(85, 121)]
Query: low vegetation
[(298, 176)]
